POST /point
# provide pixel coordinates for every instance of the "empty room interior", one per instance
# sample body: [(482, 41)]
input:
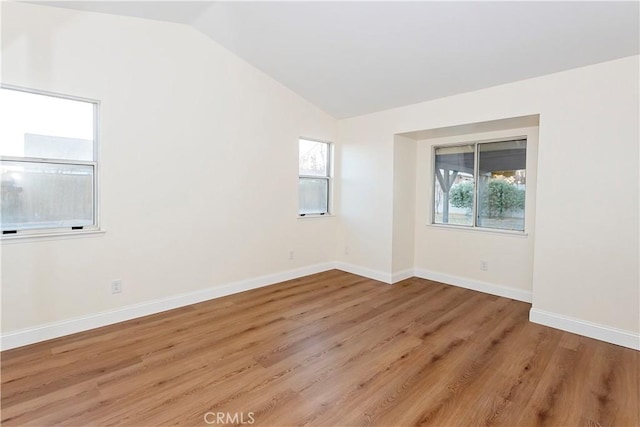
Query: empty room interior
[(320, 213)]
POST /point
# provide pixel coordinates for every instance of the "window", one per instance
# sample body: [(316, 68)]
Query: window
[(47, 163), (481, 185), (314, 182)]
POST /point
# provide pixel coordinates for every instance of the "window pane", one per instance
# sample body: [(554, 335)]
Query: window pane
[(45, 195), (313, 157), (454, 186), (502, 184), (45, 126), (313, 196)]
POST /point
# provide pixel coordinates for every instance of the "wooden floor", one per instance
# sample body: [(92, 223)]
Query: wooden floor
[(332, 349)]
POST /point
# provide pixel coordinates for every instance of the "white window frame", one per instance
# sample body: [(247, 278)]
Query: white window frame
[(473, 225), (328, 177), (95, 164)]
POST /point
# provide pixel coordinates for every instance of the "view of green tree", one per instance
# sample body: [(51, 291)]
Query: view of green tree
[(461, 195), (498, 197)]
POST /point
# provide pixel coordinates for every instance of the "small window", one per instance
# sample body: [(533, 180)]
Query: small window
[(314, 181), (47, 163), (481, 185)]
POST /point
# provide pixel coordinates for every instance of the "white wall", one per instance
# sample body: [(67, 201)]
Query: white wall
[(198, 157), (404, 203), (586, 256), (364, 200)]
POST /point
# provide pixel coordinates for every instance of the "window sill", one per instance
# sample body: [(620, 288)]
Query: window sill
[(63, 235), (310, 216), (506, 233)]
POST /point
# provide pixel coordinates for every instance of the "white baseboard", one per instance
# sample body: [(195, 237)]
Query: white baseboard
[(476, 285), (399, 276), (588, 329), (79, 324), (378, 275)]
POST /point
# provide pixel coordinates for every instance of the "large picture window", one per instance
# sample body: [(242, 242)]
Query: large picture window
[(314, 180), (481, 185), (48, 162)]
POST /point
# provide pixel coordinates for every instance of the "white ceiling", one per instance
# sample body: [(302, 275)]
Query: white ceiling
[(352, 58)]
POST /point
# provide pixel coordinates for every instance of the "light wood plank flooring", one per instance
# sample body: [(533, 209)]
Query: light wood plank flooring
[(332, 349)]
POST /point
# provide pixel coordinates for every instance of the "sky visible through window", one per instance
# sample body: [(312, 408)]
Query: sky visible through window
[(313, 158), (27, 113)]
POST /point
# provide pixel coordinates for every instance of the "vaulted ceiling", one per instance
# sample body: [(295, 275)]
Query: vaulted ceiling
[(353, 58)]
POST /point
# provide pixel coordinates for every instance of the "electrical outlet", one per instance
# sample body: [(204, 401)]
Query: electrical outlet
[(116, 286), (291, 255), (346, 250), (484, 266)]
